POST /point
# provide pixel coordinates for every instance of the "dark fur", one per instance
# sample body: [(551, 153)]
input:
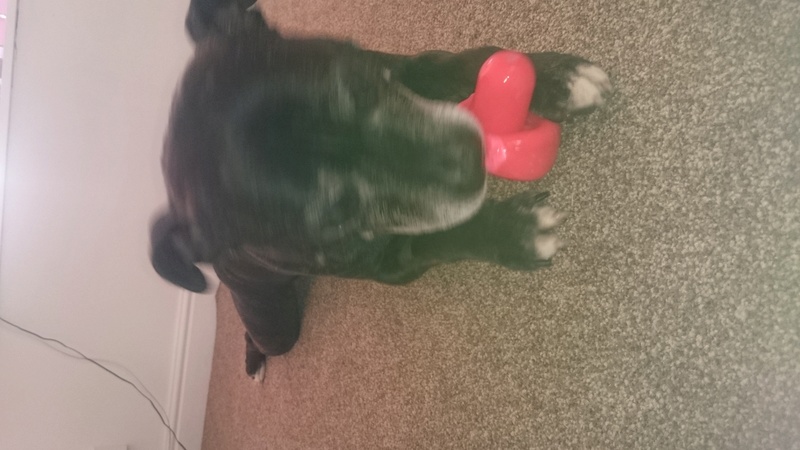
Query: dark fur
[(287, 158)]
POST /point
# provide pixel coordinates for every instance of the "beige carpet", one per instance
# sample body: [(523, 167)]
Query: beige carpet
[(671, 321)]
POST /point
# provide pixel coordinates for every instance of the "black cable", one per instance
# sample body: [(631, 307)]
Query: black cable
[(47, 339)]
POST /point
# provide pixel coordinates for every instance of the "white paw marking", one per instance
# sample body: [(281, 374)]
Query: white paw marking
[(258, 377), (547, 217), (547, 245), (587, 85)]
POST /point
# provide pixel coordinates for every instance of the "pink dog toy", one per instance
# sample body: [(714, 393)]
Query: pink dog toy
[(519, 145)]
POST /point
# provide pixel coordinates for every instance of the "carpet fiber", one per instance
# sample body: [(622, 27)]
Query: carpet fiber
[(672, 319)]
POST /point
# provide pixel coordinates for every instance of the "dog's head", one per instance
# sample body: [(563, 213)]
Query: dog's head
[(275, 141)]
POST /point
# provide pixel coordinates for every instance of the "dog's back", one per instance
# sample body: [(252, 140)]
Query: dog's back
[(175, 247)]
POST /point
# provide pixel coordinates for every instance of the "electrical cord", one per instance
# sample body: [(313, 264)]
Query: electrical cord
[(106, 369), (117, 367)]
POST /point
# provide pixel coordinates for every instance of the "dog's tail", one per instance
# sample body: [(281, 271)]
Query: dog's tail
[(221, 17), (173, 254)]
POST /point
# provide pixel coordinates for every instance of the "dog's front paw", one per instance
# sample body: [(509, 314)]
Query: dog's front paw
[(588, 88), (568, 85), (545, 242), (525, 231)]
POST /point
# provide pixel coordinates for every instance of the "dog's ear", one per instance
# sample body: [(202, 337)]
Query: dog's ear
[(172, 255), (207, 18)]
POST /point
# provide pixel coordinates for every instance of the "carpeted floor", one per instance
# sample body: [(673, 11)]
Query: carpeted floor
[(672, 320)]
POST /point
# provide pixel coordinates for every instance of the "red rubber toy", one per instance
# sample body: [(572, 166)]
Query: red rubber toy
[(519, 145)]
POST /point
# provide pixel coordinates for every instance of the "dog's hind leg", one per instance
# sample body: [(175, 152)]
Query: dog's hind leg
[(270, 309)]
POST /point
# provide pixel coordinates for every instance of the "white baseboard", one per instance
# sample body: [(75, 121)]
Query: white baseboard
[(191, 367), (6, 80)]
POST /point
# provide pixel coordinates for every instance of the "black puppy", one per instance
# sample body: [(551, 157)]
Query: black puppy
[(287, 158)]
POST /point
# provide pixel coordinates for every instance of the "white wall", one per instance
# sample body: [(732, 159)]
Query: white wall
[(91, 88)]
